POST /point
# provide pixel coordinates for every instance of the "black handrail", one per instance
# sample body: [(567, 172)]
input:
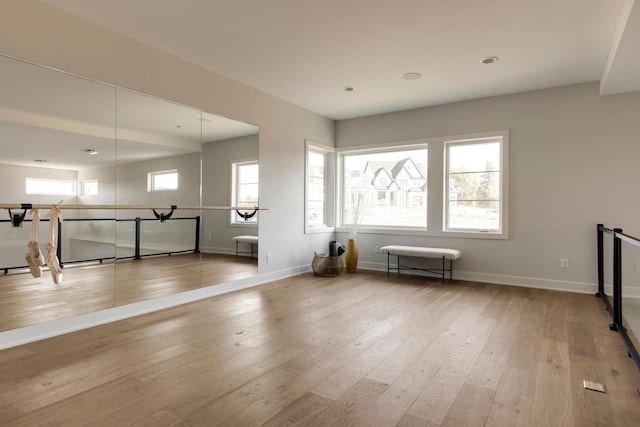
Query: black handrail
[(616, 310), (138, 237)]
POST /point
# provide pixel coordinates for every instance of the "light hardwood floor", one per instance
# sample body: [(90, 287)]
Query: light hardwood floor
[(25, 300), (360, 349)]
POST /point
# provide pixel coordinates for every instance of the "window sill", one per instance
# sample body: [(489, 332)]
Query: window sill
[(421, 232)]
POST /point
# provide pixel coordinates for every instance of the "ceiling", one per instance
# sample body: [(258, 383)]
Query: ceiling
[(51, 119), (307, 52)]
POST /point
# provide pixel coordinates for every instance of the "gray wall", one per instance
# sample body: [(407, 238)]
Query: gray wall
[(573, 163)]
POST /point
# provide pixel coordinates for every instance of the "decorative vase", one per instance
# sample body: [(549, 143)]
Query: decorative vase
[(351, 258)]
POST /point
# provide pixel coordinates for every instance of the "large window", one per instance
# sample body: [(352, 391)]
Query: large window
[(319, 194), (473, 185), (385, 188), (459, 189), (244, 189), (50, 187), (162, 180)]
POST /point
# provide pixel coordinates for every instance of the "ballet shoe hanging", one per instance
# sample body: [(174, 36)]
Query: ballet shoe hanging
[(34, 257)]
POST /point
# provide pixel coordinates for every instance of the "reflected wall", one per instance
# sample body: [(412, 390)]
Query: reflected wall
[(109, 142)]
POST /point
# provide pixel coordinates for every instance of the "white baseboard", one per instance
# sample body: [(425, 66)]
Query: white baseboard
[(527, 282)]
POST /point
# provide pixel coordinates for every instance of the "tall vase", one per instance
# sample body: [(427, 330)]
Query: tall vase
[(351, 258)]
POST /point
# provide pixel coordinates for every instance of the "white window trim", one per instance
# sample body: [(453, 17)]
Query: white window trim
[(375, 148), (151, 179), (436, 187), (83, 184), (232, 190), (329, 218)]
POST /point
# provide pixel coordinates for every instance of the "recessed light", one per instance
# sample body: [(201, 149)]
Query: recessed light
[(489, 59), (411, 76), (349, 88), (40, 161), (91, 151), (177, 126)]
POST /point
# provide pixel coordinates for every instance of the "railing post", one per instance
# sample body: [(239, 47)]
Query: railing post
[(138, 234), (617, 281), (197, 248), (59, 248), (599, 234)]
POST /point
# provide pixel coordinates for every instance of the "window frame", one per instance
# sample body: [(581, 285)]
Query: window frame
[(151, 179), (446, 179), (83, 187), (234, 219), (328, 223), (374, 149), (436, 191)]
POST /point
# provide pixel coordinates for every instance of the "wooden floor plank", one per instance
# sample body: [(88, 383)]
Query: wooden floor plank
[(359, 349), (470, 408)]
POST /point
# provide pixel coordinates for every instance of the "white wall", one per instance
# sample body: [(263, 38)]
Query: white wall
[(32, 31), (573, 163)]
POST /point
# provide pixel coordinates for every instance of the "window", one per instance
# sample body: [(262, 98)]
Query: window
[(319, 195), (458, 187), (473, 185), (389, 184), (244, 189), (52, 187), (89, 187), (162, 180)]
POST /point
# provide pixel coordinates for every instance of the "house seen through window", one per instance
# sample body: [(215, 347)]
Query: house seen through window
[(391, 185)]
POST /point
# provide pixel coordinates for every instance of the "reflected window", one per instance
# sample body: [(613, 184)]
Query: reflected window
[(162, 180), (50, 187), (244, 189), (89, 187)]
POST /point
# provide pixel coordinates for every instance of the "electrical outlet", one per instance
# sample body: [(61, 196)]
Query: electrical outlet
[(564, 263), (209, 236), (268, 258), (376, 249)]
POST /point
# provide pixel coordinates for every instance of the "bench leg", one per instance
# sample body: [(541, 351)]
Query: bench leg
[(388, 264), (443, 269), (236, 249)]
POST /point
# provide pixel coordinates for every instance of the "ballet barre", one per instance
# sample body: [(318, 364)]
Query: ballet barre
[(17, 219)]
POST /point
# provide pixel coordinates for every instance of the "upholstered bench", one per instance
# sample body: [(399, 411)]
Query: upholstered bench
[(422, 252), (251, 240)]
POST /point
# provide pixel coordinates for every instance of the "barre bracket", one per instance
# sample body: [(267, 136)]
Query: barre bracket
[(162, 216), (246, 215), (17, 219)]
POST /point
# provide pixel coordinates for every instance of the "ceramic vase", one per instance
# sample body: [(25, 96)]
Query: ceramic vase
[(351, 257)]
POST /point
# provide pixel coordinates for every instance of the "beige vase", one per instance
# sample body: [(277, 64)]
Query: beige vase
[(351, 257)]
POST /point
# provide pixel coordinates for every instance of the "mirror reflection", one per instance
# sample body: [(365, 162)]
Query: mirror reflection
[(73, 141)]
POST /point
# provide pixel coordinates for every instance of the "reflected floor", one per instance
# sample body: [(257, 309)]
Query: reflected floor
[(25, 300), (631, 314)]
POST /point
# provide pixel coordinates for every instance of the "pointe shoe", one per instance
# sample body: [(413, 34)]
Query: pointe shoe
[(54, 264), (34, 258)]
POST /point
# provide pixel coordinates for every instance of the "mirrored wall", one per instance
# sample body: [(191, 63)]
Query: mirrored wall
[(75, 142)]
